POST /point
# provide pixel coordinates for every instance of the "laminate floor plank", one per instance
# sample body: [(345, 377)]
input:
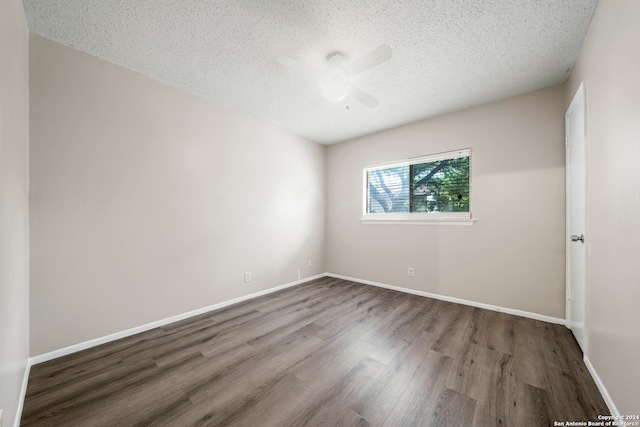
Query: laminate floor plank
[(394, 322), (257, 406), (294, 301), (333, 406), (72, 374), (353, 312), (302, 396), (395, 331), (74, 394), (496, 405), (452, 409), (493, 330), (139, 393), (174, 342), (255, 370), (92, 358), (378, 401), (356, 319), (351, 419), (447, 316), (533, 406), (210, 338), (267, 410), (200, 367), (339, 355), (316, 302), (301, 325), (454, 336), (334, 314), (474, 371), (393, 300), (329, 352), (191, 323), (141, 403), (566, 374), (418, 401), (530, 362)]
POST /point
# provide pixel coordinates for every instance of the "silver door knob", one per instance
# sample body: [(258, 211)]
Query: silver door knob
[(576, 238)]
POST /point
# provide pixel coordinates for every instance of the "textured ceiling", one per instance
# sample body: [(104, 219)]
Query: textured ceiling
[(447, 54)]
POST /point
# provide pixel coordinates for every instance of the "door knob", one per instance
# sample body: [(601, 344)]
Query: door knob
[(576, 238)]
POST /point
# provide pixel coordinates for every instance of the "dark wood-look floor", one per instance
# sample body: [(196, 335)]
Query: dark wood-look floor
[(332, 353)]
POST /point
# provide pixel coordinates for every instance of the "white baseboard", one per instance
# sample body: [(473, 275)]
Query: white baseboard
[(521, 313), (603, 390), (122, 334), (23, 393)]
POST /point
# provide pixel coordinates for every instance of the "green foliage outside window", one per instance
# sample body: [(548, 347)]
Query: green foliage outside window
[(433, 186)]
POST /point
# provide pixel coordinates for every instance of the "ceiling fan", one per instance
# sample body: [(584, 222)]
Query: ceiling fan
[(336, 79)]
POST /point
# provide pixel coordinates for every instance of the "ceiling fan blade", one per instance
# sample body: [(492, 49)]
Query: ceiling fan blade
[(297, 65), (362, 96), (376, 57)]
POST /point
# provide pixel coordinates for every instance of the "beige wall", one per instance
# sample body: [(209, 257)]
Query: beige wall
[(609, 64), (513, 256), (14, 209), (147, 202), (144, 204)]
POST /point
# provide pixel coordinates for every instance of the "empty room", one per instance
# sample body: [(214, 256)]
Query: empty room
[(289, 213)]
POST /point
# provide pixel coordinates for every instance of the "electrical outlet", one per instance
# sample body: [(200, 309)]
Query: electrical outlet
[(298, 274), (309, 263), (247, 276), (410, 272)]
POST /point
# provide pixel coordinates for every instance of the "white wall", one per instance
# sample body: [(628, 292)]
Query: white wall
[(14, 208), (147, 202), (609, 64), (513, 256)]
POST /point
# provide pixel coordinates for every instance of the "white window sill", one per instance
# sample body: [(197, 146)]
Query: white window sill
[(420, 221)]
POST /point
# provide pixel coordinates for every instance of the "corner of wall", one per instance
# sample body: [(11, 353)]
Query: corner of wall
[(14, 214)]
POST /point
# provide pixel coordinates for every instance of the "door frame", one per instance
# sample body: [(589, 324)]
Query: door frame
[(578, 105)]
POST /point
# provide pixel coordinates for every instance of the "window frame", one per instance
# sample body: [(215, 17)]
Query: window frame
[(417, 218)]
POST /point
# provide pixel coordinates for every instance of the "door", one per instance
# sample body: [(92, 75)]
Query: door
[(576, 163)]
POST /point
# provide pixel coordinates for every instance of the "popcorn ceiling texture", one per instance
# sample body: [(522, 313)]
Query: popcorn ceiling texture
[(447, 54)]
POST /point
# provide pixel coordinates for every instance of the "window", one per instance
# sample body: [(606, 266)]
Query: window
[(429, 188)]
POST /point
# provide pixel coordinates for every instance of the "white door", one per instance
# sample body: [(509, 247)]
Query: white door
[(576, 204)]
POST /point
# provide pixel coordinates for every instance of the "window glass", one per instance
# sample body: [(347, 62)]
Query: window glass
[(388, 190), (440, 186), (430, 186)]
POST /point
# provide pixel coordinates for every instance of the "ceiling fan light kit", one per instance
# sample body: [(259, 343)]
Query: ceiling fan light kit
[(336, 80)]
